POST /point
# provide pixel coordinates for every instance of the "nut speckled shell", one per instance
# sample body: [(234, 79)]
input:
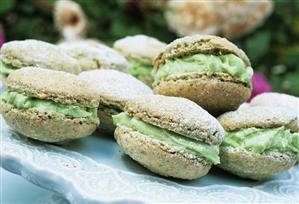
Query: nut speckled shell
[(255, 166), (52, 85), (37, 53), (159, 157), (276, 99), (95, 57), (140, 47), (176, 114), (207, 44), (114, 87), (260, 117)]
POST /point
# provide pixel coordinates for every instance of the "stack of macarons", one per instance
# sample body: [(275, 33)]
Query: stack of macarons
[(140, 51), (171, 129)]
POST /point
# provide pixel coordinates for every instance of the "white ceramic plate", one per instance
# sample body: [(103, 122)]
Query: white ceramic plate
[(95, 170)]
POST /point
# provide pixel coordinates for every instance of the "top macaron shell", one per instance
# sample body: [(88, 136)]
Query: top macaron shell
[(37, 53), (43, 84), (206, 44), (125, 87), (178, 115), (140, 47), (276, 99), (260, 117), (95, 57)]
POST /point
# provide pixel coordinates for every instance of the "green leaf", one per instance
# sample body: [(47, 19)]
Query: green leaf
[(258, 45), (6, 5)]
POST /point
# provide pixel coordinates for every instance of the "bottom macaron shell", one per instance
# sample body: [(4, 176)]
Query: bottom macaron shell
[(106, 124), (158, 157), (45, 127), (255, 166), (214, 95)]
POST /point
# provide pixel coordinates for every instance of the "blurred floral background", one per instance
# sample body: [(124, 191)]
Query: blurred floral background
[(268, 31)]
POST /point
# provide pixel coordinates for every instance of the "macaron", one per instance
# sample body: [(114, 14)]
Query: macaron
[(277, 100), (209, 70), (259, 142), (95, 56), (140, 51), (170, 136), (113, 89), (18, 54), (48, 105)]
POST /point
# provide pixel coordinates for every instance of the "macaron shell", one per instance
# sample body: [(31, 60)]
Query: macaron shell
[(207, 44), (38, 53), (140, 47), (125, 86), (255, 166), (46, 127), (158, 157), (57, 86), (179, 115), (214, 95), (259, 117), (276, 99), (96, 57)]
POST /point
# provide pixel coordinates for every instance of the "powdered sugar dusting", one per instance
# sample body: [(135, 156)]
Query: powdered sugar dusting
[(38, 53), (96, 57), (114, 86), (140, 47)]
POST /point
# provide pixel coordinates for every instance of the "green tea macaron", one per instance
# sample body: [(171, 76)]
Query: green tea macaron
[(206, 69), (49, 105), (18, 54), (140, 50), (259, 142), (170, 136), (273, 99), (114, 89), (95, 56)]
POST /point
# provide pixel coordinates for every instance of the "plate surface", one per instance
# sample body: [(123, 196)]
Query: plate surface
[(95, 170)]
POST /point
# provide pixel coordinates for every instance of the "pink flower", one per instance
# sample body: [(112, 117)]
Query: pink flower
[(260, 85)]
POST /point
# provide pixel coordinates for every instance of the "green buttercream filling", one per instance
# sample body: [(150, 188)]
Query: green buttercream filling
[(205, 63), (22, 101), (138, 68), (179, 142), (260, 140), (6, 69)]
